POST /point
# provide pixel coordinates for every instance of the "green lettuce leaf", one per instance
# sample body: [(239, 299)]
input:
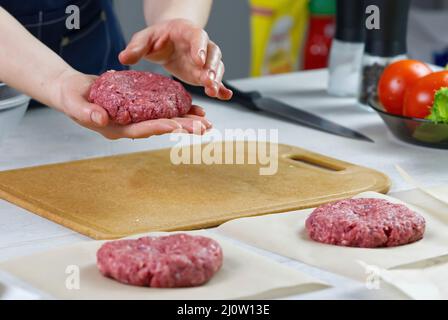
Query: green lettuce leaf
[(439, 111)]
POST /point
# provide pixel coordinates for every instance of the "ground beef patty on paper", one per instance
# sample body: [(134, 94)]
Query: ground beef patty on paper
[(178, 260), (365, 223)]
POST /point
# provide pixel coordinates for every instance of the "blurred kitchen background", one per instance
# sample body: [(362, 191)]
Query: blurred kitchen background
[(261, 37)]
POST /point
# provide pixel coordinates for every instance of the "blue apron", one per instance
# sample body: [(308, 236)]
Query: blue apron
[(92, 49)]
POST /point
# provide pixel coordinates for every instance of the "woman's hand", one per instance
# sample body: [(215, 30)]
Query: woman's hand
[(72, 89), (185, 50), (54, 83)]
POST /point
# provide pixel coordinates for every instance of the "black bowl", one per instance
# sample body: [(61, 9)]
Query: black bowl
[(422, 132)]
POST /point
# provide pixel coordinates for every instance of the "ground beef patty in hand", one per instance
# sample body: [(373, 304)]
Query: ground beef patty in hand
[(365, 223), (135, 96), (178, 260)]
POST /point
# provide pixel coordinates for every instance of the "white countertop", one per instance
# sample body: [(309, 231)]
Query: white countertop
[(46, 136)]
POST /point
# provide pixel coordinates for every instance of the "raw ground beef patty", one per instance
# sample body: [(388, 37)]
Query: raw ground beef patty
[(365, 223), (178, 260), (135, 96)]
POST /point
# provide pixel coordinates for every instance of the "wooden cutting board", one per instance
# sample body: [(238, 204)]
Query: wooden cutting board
[(117, 196)]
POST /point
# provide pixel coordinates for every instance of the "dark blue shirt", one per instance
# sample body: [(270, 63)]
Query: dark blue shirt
[(93, 48)]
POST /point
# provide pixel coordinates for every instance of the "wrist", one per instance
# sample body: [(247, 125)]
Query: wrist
[(172, 20), (195, 11)]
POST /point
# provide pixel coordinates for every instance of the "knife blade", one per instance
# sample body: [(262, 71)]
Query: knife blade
[(307, 119), (254, 101)]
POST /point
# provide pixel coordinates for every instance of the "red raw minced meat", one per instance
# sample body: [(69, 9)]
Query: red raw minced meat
[(365, 223), (134, 96), (178, 260)]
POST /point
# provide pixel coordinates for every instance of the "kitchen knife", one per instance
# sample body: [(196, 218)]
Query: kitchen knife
[(254, 101)]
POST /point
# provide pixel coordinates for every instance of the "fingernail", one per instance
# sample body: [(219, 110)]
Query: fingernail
[(202, 56), (96, 117), (212, 75)]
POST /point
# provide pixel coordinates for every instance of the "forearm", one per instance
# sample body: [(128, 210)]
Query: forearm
[(197, 11), (27, 64)]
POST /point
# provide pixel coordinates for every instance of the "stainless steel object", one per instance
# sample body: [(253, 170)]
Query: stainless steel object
[(254, 101), (13, 105)]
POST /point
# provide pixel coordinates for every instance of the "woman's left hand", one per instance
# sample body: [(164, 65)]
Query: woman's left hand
[(184, 50), (70, 94)]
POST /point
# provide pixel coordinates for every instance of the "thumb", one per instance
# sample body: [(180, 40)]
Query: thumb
[(198, 40), (137, 48), (98, 115), (90, 114)]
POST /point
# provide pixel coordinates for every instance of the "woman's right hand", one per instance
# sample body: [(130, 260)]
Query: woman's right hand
[(71, 91)]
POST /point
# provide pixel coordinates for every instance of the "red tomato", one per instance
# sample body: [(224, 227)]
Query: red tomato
[(419, 98), (394, 81)]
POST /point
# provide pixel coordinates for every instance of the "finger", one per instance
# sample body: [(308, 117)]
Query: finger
[(214, 57), (192, 125), (210, 71), (197, 110), (204, 121), (220, 72), (224, 93), (198, 40), (141, 43), (143, 129), (218, 79), (212, 91)]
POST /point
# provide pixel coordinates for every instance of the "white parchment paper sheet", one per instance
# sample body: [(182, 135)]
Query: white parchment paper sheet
[(244, 275), (285, 234)]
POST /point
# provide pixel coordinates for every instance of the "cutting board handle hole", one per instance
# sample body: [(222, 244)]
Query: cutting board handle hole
[(317, 163)]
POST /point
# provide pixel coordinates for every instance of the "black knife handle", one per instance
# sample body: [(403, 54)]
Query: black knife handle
[(192, 89), (246, 99)]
